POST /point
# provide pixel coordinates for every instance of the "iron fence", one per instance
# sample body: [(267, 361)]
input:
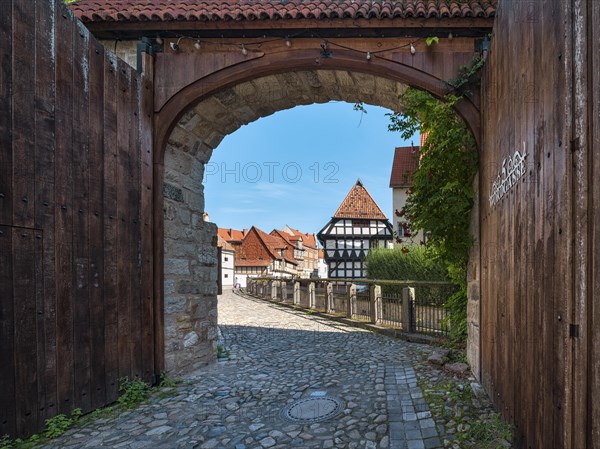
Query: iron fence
[(413, 306)]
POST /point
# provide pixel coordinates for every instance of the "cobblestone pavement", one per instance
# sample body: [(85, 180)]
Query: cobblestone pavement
[(276, 357)]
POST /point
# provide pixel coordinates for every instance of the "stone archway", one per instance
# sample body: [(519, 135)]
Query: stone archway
[(190, 266)]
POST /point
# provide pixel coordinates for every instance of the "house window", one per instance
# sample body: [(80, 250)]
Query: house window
[(360, 223), (226, 259), (404, 229), (226, 275)]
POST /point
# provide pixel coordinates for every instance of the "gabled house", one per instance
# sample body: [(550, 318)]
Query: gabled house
[(357, 226), (404, 166), (261, 254), (232, 236), (305, 250), (311, 251)]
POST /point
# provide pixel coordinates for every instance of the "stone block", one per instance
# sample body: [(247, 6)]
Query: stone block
[(179, 267), (172, 192)]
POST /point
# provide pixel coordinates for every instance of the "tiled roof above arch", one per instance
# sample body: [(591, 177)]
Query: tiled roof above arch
[(257, 10)]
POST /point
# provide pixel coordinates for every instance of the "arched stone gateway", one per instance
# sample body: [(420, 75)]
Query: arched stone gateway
[(206, 87), (101, 168)]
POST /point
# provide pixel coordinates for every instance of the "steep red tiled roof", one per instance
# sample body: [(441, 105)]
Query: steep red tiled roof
[(406, 162), (252, 10), (222, 243), (252, 262), (291, 239), (275, 245), (307, 239), (229, 234), (359, 204)]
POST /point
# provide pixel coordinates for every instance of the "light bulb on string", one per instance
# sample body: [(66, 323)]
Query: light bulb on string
[(197, 45), (368, 56), (244, 51), (159, 40), (413, 50), (288, 43), (450, 36)]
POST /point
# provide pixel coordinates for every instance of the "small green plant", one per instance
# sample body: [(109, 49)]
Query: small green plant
[(134, 392), (167, 382), (6, 442), (59, 424), (432, 40), (491, 433), (222, 352)]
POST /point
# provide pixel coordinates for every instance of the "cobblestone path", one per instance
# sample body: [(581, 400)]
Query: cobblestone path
[(279, 356)]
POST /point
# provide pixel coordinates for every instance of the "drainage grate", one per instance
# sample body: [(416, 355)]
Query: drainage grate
[(312, 409)]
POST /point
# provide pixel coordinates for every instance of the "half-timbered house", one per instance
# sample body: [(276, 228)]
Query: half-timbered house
[(357, 226)]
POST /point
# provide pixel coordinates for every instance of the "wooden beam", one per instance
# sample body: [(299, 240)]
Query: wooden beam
[(345, 27)]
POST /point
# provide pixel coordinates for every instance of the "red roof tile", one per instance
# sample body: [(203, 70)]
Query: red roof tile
[(252, 10), (406, 162), (229, 234), (359, 204), (222, 243), (307, 239), (275, 244), (252, 262)]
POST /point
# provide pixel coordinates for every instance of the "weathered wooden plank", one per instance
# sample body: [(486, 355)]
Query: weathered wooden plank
[(25, 334), (593, 38), (134, 199), (96, 224), (124, 168), (7, 330), (159, 277), (582, 304), (7, 367), (81, 262), (111, 331), (64, 213), (146, 155), (44, 123), (6, 78), (23, 88)]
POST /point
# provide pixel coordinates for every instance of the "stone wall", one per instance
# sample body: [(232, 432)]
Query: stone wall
[(473, 288), (125, 50), (190, 267)]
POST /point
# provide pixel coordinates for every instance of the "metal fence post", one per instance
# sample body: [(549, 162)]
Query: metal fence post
[(376, 304), (296, 293), (312, 296), (408, 296), (351, 301), (329, 297)]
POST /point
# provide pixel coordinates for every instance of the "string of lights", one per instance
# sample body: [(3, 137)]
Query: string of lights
[(246, 47)]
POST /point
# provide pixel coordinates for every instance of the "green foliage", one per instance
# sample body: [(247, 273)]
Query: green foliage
[(490, 433), (432, 40), (416, 265), (453, 401), (441, 198), (469, 77), (133, 392), (360, 107), (222, 352), (59, 424), (167, 382), (5, 442)]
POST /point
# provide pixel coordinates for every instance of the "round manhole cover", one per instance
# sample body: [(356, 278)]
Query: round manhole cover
[(312, 409)]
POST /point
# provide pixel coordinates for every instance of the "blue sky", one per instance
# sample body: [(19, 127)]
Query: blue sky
[(296, 166)]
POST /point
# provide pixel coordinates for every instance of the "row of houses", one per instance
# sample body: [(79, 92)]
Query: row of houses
[(356, 227), (285, 252)]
